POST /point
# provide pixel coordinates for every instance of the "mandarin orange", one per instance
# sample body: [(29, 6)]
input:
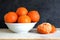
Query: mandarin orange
[(22, 11), (34, 15), (10, 17), (24, 19), (44, 28)]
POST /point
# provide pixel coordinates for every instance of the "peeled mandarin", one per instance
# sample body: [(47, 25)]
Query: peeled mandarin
[(44, 28)]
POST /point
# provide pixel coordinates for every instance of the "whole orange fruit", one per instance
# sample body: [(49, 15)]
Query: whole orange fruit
[(34, 15), (44, 28), (53, 29), (24, 19), (22, 11), (10, 17)]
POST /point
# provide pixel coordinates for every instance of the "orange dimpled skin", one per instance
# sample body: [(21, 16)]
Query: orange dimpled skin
[(44, 28), (24, 19), (22, 11), (34, 15), (53, 29), (10, 17)]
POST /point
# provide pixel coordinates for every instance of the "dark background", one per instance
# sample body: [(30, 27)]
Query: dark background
[(48, 9)]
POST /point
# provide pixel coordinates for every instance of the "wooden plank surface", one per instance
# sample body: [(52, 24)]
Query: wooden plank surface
[(6, 34)]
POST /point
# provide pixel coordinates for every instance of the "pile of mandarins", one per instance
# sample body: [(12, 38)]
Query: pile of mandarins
[(23, 16)]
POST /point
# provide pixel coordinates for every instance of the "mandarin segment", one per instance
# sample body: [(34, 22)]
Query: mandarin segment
[(53, 29)]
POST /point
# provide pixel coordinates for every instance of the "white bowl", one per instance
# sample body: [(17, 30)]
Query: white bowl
[(20, 27)]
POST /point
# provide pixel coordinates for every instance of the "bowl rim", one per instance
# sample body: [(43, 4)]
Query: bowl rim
[(21, 23)]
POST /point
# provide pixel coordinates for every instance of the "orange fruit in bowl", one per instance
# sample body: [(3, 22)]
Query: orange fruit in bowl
[(44, 28), (53, 29), (22, 11), (34, 15), (10, 17), (24, 19)]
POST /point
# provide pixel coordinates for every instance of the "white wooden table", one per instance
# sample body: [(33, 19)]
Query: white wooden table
[(6, 34)]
